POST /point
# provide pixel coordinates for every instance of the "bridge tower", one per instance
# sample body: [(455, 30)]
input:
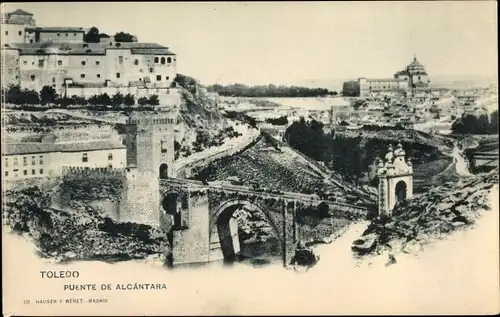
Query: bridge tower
[(395, 177), (150, 156), (150, 144)]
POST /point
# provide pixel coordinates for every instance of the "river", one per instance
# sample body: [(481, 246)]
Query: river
[(456, 276)]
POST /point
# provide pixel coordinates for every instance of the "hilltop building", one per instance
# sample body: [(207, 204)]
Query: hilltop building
[(61, 57), (409, 81)]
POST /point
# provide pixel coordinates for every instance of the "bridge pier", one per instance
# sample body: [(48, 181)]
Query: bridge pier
[(191, 237), (290, 232)]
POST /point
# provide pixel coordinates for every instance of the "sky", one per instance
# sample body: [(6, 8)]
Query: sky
[(292, 42)]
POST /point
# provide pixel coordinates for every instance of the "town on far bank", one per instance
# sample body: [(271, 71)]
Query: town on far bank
[(109, 153)]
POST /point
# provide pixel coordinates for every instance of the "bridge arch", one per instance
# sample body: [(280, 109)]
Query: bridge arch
[(222, 215)]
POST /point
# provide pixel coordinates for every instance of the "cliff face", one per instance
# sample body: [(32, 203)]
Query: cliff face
[(81, 227), (433, 215), (196, 111)]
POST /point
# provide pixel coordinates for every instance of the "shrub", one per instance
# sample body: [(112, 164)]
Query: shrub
[(47, 95)]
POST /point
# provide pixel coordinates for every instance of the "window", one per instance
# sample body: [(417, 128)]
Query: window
[(25, 62), (53, 79), (25, 172), (117, 75), (85, 45), (156, 59), (32, 77), (85, 157), (66, 34), (33, 161), (120, 59), (136, 62), (6, 162), (41, 171), (169, 60), (163, 60), (6, 173), (32, 172), (158, 77), (25, 160), (83, 63), (167, 78), (58, 34), (40, 63), (97, 62), (140, 70), (82, 75), (59, 63), (98, 75), (151, 70), (20, 33), (110, 156), (74, 34), (110, 165), (40, 159), (164, 147), (15, 160), (6, 32)]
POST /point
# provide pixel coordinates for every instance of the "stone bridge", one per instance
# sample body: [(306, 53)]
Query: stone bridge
[(200, 216)]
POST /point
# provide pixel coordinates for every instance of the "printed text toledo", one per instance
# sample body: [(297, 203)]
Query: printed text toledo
[(94, 287)]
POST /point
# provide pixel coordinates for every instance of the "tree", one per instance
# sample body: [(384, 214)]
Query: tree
[(14, 95), (124, 37), (30, 97), (335, 93), (92, 35), (117, 99), (154, 100), (105, 99), (129, 100), (47, 95)]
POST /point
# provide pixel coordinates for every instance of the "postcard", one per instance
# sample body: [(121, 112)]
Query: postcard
[(249, 158)]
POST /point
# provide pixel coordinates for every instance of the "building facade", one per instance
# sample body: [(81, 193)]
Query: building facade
[(410, 81), (59, 57), (30, 160)]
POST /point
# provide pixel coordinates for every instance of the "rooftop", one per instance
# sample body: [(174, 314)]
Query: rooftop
[(60, 29), (50, 47), (20, 12), (29, 148), (386, 79)]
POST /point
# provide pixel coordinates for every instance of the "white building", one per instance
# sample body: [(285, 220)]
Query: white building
[(29, 160), (33, 57)]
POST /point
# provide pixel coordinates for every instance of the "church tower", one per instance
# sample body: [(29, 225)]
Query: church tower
[(395, 180)]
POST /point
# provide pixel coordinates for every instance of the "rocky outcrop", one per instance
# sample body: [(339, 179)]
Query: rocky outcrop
[(78, 231), (433, 215)]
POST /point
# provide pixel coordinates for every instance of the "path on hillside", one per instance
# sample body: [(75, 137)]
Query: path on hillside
[(461, 163)]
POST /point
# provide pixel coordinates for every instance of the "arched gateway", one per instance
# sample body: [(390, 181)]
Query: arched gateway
[(395, 180)]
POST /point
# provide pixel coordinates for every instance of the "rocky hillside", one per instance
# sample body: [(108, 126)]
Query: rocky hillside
[(432, 215), (277, 167), (78, 231)]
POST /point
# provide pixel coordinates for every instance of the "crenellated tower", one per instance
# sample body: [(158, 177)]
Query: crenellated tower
[(150, 144), (150, 156), (395, 176)]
